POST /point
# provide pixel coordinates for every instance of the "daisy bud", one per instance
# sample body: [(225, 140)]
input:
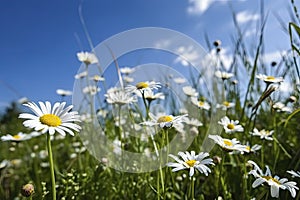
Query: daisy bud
[(217, 159), (217, 43), (273, 63), (235, 82), (27, 190), (292, 99)]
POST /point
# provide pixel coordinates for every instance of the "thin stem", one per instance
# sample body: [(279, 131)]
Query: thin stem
[(51, 166), (192, 189)]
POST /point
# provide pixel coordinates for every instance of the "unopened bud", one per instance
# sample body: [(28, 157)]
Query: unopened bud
[(27, 190), (217, 43)]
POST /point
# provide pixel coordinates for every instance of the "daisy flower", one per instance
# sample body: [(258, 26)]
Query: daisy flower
[(179, 80), (16, 138), (191, 161), (223, 75), (281, 107), (23, 100), (150, 96), (225, 105), (164, 121), (87, 58), (269, 79), (230, 126), (142, 86), (119, 96), (192, 121), (63, 93), (81, 75), (228, 144), (97, 78), (274, 182), (267, 135), (128, 79), (4, 163), (91, 89), (127, 70), (190, 91), (294, 174), (252, 149), (200, 104), (47, 118)]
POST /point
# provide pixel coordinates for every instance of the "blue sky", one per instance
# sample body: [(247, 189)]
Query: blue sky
[(39, 39)]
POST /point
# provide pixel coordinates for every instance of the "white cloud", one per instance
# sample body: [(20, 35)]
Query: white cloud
[(200, 6), (187, 53), (246, 16)]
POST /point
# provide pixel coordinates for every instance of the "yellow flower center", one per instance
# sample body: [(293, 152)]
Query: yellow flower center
[(271, 178), (166, 118), (50, 120), (17, 137), (227, 142), (201, 103), (266, 132), (142, 85), (230, 126), (226, 103), (270, 78), (191, 163), (248, 148)]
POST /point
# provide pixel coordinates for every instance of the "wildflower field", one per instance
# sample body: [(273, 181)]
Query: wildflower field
[(135, 133)]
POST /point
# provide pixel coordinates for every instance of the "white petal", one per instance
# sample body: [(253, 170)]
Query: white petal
[(258, 182), (274, 191), (192, 171)]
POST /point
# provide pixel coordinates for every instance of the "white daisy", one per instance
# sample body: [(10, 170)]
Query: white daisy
[(191, 161), (179, 80), (225, 105), (16, 138), (200, 104), (269, 79), (23, 100), (164, 121), (128, 79), (63, 93), (97, 78), (228, 144), (230, 126), (274, 182), (51, 119), (4, 163), (127, 70), (119, 96), (190, 91), (263, 134), (91, 89), (142, 86), (87, 58), (252, 149), (281, 107), (192, 121), (81, 75), (223, 75), (150, 96), (293, 173)]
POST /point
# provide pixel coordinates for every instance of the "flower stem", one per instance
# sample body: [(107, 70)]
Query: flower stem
[(192, 189), (51, 166)]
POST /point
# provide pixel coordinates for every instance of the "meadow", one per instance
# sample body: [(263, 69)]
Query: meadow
[(163, 138)]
